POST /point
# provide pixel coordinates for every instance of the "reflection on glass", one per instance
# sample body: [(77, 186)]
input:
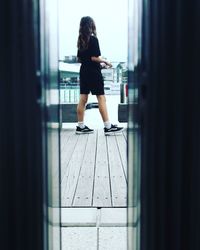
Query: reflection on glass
[(50, 97), (134, 126)]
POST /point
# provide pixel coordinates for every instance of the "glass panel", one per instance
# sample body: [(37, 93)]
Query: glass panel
[(50, 98), (134, 133), (94, 166)]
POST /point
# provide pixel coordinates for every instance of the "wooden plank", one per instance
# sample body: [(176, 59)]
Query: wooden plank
[(53, 136), (64, 137), (102, 194), (125, 133), (118, 181), (84, 191), (66, 154), (122, 147), (73, 169)]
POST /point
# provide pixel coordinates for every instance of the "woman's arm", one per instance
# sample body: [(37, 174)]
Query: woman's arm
[(100, 60)]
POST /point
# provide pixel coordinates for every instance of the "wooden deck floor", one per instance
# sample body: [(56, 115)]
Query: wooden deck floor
[(93, 169)]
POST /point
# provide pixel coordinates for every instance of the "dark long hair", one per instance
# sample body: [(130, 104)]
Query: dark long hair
[(86, 29)]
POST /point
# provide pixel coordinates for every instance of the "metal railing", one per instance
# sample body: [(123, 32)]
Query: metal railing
[(69, 94)]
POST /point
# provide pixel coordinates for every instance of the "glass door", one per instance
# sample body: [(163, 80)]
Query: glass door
[(51, 122), (134, 124)]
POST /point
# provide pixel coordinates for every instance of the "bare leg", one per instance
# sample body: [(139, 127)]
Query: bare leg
[(81, 107), (102, 107)]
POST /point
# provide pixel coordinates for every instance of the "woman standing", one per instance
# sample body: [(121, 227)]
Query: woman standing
[(91, 79)]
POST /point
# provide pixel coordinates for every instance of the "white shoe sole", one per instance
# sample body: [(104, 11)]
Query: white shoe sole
[(113, 132), (82, 133)]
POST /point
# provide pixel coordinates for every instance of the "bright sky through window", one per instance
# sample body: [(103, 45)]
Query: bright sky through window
[(111, 18)]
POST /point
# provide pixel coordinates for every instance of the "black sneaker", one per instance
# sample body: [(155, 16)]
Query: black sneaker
[(84, 130), (114, 129)]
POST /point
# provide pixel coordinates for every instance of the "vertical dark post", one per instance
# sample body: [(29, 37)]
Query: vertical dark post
[(170, 198), (21, 189)]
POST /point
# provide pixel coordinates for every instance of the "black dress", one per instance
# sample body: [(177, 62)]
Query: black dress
[(91, 79)]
